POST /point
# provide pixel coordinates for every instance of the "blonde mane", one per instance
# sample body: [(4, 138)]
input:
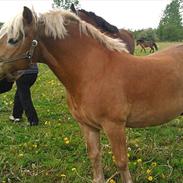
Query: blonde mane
[(54, 23), (108, 42), (14, 28)]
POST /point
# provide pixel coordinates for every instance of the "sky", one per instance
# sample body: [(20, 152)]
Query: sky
[(128, 14)]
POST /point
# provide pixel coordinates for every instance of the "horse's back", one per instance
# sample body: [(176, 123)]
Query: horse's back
[(153, 86)]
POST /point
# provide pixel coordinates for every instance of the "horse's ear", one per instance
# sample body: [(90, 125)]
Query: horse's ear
[(73, 8), (27, 15)]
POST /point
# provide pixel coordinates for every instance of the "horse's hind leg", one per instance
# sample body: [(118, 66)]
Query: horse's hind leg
[(116, 136), (151, 50), (92, 138)]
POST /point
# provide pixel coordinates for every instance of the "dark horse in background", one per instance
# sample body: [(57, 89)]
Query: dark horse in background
[(147, 44), (106, 27)]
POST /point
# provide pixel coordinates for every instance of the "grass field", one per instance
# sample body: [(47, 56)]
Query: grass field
[(54, 151)]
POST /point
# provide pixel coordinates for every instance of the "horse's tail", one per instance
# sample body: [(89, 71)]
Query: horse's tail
[(155, 45)]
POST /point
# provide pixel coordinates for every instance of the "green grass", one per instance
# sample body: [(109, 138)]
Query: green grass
[(54, 151)]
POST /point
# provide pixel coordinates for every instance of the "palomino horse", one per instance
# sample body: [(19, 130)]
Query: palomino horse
[(147, 44), (106, 27), (108, 89)]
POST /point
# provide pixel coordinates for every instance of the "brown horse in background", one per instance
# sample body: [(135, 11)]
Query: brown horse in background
[(147, 44), (107, 28), (107, 88)]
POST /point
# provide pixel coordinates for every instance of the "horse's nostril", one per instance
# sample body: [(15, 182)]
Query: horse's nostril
[(12, 41)]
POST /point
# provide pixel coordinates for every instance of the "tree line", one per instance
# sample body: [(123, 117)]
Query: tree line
[(170, 27)]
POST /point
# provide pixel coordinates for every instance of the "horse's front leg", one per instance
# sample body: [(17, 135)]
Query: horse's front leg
[(92, 138), (116, 136), (141, 49), (144, 49)]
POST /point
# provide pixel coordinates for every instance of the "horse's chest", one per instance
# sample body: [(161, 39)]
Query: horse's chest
[(78, 112), (82, 113)]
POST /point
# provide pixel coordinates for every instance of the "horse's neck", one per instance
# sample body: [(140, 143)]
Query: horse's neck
[(74, 59), (87, 19)]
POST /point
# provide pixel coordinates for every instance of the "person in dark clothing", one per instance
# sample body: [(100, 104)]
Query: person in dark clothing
[(5, 85), (22, 100)]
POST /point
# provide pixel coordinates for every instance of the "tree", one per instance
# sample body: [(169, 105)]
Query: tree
[(148, 34), (66, 4), (170, 27)]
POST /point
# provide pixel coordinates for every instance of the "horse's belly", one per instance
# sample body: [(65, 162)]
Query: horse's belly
[(151, 116)]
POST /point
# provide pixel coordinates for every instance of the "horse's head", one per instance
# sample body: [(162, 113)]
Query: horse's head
[(95, 20), (84, 15), (16, 43), (139, 41)]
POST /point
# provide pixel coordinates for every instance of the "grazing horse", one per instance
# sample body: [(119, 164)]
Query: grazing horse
[(147, 44), (130, 91), (106, 27)]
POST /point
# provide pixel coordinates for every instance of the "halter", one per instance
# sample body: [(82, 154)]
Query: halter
[(28, 55)]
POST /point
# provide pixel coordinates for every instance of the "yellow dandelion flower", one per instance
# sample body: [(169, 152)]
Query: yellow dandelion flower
[(153, 164), (148, 171), (21, 155), (34, 145), (47, 123), (62, 175), (139, 160), (67, 142), (150, 178), (65, 139), (112, 181)]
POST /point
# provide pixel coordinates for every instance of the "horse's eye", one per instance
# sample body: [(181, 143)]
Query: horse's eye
[(12, 41)]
